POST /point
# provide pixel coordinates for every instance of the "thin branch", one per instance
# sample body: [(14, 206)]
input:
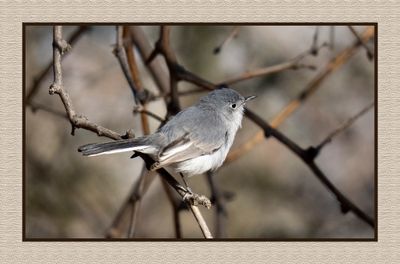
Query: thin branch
[(344, 126), (314, 47), (183, 192), (163, 47), (175, 204), (133, 201), (145, 49), (120, 53), (231, 36), (145, 112), (217, 199), (60, 46), (370, 54), (38, 80), (310, 89), (293, 65), (331, 37), (308, 156)]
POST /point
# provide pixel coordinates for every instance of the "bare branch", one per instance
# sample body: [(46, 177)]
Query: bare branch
[(331, 37), (310, 89), (175, 204), (231, 36), (38, 80), (133, 201), (370, 54), (308, 156), (120, 53), (314, 47), (293, 65), (344, 126), (217, 199), (145, 49), (60, 46), (145, 112)]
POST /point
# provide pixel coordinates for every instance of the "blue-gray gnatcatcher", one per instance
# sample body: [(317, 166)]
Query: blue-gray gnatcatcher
[(194, 141)]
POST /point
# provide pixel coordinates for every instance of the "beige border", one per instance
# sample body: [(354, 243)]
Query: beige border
[(14, 250)]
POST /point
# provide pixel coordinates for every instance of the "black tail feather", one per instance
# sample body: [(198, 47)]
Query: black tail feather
[(98, 148)]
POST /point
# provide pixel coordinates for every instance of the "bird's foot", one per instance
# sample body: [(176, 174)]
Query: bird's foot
[(155, 166), (195, 199)]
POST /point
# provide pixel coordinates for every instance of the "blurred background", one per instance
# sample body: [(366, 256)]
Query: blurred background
[(274, 194)]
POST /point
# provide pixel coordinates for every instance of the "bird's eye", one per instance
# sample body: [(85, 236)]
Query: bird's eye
[(233, 106)]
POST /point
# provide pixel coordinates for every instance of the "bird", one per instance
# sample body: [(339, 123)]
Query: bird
[(194, 141)]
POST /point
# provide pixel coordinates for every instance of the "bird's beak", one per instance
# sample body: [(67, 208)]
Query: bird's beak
[(248, 98)]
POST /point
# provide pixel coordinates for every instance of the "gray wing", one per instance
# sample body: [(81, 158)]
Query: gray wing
[(192, 133)]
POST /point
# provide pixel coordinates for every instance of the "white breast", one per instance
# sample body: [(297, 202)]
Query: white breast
[(213, 161)]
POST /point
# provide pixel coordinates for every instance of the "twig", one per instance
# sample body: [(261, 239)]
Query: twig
[(217, 199), (120, 53), (163, 47), (133, 199), (183, 192), (308, 156), (331, 37), (175, 204), (38, 80), (145, 112), (294, 65), (60, 46), (314, 46), (344, 126), (370, 54), (310, 89), (231, 36), (145, 49)]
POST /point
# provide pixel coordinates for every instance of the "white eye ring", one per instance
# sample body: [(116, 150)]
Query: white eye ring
[(233, 106)]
